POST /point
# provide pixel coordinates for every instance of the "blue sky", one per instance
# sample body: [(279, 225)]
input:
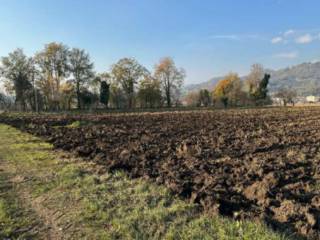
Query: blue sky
[(208, 37)]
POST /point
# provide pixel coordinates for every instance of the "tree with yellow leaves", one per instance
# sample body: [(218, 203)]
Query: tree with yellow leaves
[(170, 77), (228, 90), (67, 95), (127, 72), (52, 62), (149, 94)]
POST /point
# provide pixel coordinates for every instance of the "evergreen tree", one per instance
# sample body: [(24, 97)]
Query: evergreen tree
[(104, 93), (261, 95)]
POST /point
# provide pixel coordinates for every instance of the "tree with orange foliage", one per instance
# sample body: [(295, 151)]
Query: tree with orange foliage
[(228, 90)]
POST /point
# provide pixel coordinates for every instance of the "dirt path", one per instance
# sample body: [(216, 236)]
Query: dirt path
[(47, 217), (33, 220)]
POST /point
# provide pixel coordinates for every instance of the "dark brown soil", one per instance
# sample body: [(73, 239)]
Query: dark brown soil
[(257, 164)]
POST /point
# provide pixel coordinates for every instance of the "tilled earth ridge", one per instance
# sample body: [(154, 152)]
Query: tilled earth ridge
[(247, 164)]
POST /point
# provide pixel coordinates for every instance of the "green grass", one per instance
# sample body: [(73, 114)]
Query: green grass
[(77, 124), (15, 221), (95, 204)]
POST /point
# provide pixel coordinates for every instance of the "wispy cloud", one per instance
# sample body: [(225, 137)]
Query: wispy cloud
[(287, 55), (276, 40), (236, 37), (289, 32), (230, 37), (304, 39), (283, 37)]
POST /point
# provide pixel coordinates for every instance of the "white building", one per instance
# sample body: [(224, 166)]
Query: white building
[(312, 99)]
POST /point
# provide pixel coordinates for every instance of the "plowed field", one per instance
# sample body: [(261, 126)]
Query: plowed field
[(246, 164)]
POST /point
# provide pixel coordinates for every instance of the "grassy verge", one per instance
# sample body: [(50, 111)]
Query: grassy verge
[(16, 221), (82, 201)]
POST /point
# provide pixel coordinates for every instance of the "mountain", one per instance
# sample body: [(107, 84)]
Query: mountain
[(304, 78), (205, 85)]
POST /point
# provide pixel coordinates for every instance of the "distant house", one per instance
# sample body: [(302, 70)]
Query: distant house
[(312, 99), (277, 101)]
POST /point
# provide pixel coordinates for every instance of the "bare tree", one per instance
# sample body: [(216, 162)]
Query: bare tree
[(253, 79), (287, 96), (170, 77), (82, 70)]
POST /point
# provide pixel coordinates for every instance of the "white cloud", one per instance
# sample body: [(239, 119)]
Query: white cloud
[(297, 36), (304, 39), (287, 55), (283, 38), (230, 37), (288, 33), (237, 37), (276, 40)]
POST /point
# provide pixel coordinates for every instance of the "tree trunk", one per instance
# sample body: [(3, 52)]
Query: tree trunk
[(168, 97), (78, 96)]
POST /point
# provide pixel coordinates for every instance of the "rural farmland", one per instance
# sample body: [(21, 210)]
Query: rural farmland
[(159, 120), (245, 164)]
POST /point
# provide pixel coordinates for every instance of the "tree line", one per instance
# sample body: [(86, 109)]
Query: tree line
[(232, 91), (62, 78)]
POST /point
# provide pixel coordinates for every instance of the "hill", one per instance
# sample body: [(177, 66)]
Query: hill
[(305, 78)]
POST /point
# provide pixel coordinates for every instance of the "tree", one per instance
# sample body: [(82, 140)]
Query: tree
[(88, 98), (101, 86), (53, 65), (6, 102), (127, 72), (204, 97), (81, 68), (104, 93), (2, 101), (16, 69), (192, 99), (257, 85), (261, 94), (67, 95), (228, 90), (35, 99), (2, 98), (170, 77), (149, 93), (287, 96), (253, 79), (117, 96)]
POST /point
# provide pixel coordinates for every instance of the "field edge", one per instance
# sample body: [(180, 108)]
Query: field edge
[(82, 200)]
